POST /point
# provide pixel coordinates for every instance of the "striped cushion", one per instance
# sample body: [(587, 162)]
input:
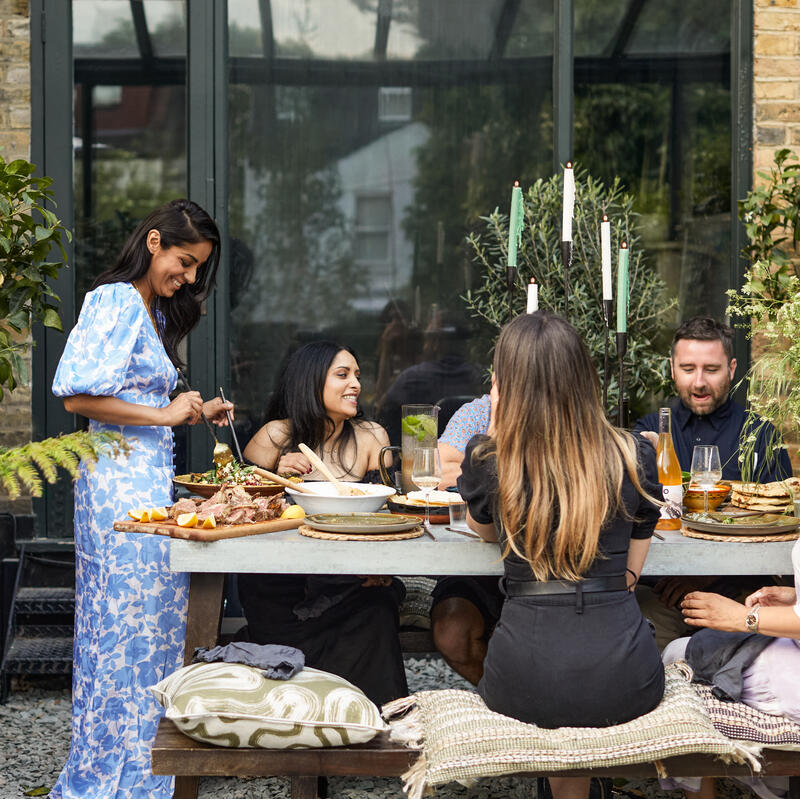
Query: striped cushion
[(744, 722), (234, 705)]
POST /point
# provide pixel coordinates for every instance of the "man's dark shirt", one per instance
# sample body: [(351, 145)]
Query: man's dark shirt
[(722, 428)]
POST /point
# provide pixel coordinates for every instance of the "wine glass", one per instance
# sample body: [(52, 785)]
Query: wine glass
[(426, 472), (706, 469)]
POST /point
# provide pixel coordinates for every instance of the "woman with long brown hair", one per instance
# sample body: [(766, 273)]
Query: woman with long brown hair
[(568, 497)]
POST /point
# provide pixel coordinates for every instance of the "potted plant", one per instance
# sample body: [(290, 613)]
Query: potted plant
[(30, 233), (768, 305)]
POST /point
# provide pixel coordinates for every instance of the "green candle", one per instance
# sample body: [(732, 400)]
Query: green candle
[(515, 222), (622, 289)]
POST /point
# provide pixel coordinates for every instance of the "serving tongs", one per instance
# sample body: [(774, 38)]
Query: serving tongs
[(222, 453), (340, 487)]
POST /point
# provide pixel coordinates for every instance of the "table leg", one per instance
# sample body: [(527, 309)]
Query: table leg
[(205, 611), (185, 786)]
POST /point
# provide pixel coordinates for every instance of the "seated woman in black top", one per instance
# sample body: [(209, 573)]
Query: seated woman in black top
[(344, 624), (569, 499)]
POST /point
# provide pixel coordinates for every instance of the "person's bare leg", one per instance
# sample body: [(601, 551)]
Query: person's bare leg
[(458, 632), (569, 787), (708, 788)]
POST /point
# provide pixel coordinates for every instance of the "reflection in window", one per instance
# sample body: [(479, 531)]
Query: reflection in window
[(664, 129), (363, 150), (129, 122)]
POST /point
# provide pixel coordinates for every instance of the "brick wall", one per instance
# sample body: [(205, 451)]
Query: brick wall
[(776, 79), (15, 134)]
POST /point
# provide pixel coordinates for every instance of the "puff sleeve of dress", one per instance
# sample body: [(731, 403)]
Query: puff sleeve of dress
[(99, 347)]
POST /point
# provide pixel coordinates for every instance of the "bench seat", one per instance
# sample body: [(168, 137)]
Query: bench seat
[(176, 754)]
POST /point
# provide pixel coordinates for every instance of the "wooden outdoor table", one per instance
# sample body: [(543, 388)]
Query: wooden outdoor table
[(450, 554)]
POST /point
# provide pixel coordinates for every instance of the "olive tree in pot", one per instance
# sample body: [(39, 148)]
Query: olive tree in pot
[(30, 233), (539, 256)]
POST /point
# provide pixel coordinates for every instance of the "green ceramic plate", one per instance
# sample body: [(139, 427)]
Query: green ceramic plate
[(734, 524), (361, 523)]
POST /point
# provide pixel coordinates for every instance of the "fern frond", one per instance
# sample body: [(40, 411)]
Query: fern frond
[(20, 466)]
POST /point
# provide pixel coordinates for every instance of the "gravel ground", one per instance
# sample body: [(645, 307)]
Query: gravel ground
[(34, 739)]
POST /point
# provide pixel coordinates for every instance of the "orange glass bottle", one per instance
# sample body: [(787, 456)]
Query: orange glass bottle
[(669, 474)]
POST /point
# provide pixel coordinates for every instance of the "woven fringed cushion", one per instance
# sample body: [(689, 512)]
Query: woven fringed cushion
[(461, 739), (739, 721)]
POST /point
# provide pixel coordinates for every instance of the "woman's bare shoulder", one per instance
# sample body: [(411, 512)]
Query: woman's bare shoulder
[(368, 427)]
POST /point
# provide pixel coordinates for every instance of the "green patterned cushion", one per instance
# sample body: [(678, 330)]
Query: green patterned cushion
[(233, 705)]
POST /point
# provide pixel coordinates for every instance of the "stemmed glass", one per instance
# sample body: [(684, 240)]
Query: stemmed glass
[(706, 469), (426, 472)]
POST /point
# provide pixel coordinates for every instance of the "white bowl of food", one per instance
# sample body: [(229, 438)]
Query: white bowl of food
[(326, 500)]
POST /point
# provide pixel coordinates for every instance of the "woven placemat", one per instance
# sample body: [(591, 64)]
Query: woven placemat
[(718, 537), (306, 530)]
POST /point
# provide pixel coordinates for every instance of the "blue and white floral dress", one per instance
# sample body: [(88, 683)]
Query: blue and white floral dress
[(130, 610)]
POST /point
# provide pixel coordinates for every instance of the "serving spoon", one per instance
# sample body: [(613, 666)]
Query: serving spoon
[(340, 487), (222, 453)]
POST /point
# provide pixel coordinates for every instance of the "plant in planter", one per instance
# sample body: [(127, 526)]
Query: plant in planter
[(768, 305), (539, 256), (28, 233)]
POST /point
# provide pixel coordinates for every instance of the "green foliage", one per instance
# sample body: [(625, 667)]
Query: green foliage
[(770, 215), (20, 466), (769, 305), (28, 233), (540, 256)]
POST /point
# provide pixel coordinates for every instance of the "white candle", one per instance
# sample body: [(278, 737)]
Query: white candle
[(605, 250), (533, 296), (568, 208)]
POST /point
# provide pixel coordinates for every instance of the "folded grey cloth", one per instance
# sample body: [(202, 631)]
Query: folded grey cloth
[(720, 657), (277, 661)]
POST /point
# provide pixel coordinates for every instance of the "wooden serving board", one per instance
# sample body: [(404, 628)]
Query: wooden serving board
[(171, 528)]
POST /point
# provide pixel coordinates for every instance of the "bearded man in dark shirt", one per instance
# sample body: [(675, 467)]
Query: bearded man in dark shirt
[(703, 367)]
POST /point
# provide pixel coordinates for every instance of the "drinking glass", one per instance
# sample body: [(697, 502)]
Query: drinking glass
[(706, 469), (426, 472)]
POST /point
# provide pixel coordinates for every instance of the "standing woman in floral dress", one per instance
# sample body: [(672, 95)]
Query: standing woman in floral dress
[(118, 369)]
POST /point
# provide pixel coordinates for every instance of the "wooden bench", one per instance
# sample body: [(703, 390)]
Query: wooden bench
[(176, 754)]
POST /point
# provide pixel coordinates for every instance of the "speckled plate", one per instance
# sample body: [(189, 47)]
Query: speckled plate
[(361, 523), (751, 525)]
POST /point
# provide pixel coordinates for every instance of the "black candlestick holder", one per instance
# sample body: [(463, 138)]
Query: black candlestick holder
[(607, 318), (622, 348), (511, 282), (566, 260)]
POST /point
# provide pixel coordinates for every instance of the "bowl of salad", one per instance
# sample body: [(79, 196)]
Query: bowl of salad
[(208, 483)]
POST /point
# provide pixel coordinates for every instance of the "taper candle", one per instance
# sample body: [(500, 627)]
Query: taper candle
[(622, 289), (568, 207), (605, 251), (515, 222), (533, 296)]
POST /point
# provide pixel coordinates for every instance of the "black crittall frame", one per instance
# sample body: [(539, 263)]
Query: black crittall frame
[(207, 71)]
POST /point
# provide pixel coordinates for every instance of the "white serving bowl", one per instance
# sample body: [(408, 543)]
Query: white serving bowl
[(326, 500)]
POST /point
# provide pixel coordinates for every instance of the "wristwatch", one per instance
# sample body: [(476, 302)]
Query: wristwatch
[(751, 620)]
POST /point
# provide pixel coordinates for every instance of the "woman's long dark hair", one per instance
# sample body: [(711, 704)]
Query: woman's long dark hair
[(178, 222), (298, 398)]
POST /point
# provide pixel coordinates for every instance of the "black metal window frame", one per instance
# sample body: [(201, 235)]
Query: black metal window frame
[(207, 73)]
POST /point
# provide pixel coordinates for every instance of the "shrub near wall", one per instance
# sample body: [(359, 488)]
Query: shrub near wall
[(15, 134)]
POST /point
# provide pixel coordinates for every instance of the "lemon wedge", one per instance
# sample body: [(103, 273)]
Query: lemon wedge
[(145, 516), (293, 512), (136, 513), (187, 520), (157, 514), (209, 522)]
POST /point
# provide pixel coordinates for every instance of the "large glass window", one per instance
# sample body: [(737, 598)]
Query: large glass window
[(652, 106), (129, 122), (364, 146)]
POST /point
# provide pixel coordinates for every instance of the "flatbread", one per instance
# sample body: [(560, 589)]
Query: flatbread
[(787, 509), (773, 489), (749, 498)]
